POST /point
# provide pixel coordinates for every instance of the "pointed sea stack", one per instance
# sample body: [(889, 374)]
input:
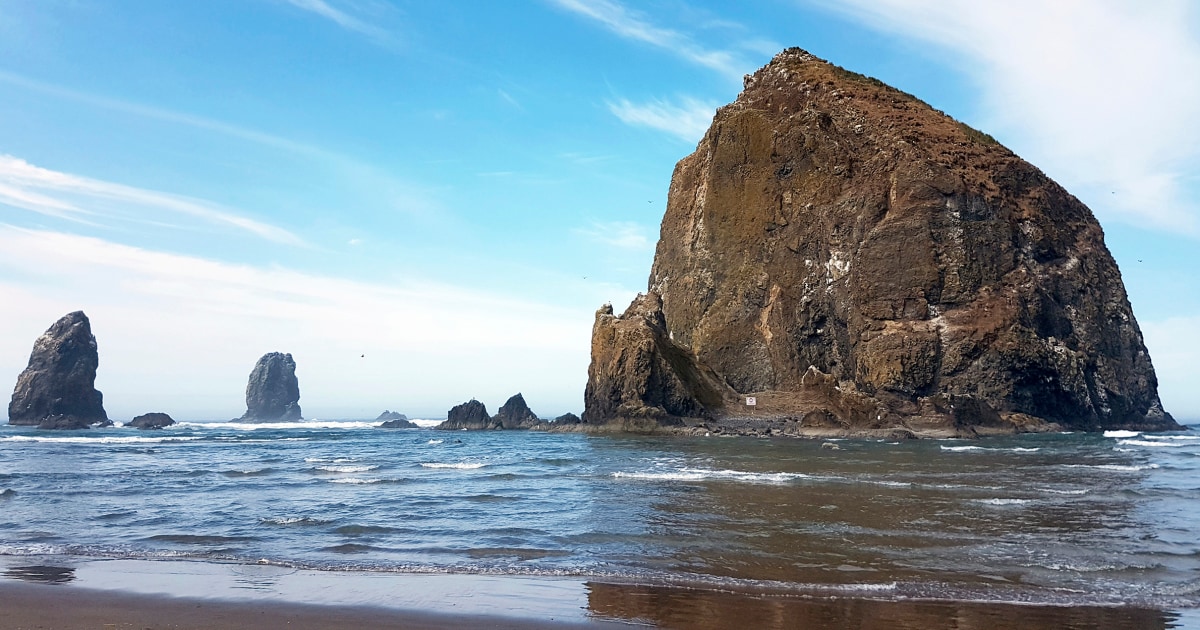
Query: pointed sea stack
[(515, 414), (273, 393), (57, 390), (853, 261)]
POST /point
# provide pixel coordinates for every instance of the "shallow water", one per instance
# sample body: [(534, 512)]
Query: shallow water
[(1049, 519)]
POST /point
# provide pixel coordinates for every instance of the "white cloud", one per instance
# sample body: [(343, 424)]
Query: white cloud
[(179, 334), (53, 193), (620, 234), (1102, 94), (633, 25), (341, 17), (687, 121)]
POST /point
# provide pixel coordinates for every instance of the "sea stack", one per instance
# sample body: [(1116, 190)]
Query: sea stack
[(273, 393), (57, 390), (471, 415), (839, 257), (515, 414)]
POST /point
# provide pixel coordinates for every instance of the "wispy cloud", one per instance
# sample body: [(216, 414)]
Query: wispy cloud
[(687, 121), (634, 25), (421, 340), (62, 195), (1101, 94), (620, 234), (343, 18), (397, 193), (165, 115)]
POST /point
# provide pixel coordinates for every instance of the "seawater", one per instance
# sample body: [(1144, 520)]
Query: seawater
[(1044, 519)]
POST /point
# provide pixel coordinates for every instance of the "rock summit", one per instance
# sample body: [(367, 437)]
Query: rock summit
[(57, 389), (839, 257)]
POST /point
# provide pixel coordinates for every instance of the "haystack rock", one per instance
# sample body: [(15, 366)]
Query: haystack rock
[(852, 261), (471, 415), (515, 414), (273, 393), (57, 390), (151, 421)]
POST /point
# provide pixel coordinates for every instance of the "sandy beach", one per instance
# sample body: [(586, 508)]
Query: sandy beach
[(86, 593)]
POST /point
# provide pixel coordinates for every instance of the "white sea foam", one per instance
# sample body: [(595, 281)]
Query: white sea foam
[(100, 439), (1003, 501), (293, 520), (255, 426), (1021, 449), (1057, 491), (435, 441), (1121, 434), (457, 466), (346, 469), (1116, 467), (425, 424), (961, 448), (1151, 443), (708, 474), (355, 480), (1171, 437)]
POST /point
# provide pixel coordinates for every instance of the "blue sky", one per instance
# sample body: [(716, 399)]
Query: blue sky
[(426, 202)]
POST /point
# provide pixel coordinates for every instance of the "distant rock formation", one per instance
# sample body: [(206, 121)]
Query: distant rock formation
[(57, 390), (567, 418), (471, 415), (150, 421), (395, 420), (515, 414), (273, 393), (839, 257)]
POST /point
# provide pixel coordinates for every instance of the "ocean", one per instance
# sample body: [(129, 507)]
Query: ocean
[(1048, 519)]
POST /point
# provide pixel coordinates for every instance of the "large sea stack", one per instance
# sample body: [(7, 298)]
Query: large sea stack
[(471, 415), (273, 393), (58, 388), (857, 262)]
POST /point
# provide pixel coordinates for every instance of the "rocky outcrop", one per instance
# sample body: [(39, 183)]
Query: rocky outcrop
[(566, 419), (850, 260), (394, 420), (57, 389), (471, 415), (273, 393), (151, 421), (515, 414)]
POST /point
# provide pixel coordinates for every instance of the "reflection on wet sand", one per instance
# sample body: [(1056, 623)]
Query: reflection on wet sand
[(674, 607), (41, 573)]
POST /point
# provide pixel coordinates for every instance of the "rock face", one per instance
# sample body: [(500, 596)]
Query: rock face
[(149, 421), (471, 415), (391, 415), (857, 261), (57, 390), (515, 414), (567, 418), (273, 393)]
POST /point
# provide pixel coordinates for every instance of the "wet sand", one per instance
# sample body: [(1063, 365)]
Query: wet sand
[(88, 593)]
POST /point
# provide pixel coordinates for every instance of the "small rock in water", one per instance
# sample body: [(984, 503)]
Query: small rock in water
[(151, 421)]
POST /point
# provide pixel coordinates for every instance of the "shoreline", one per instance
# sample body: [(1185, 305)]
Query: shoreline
[(60, 592)]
